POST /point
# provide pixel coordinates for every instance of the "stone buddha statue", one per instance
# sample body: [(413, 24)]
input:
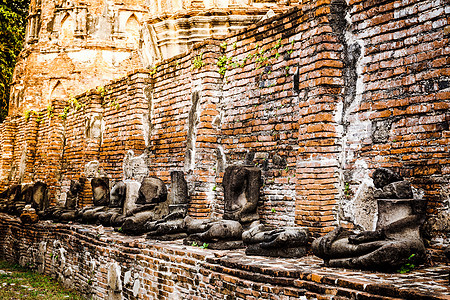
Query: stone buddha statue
[(172, 226), (100, 199), (241, 194), (396, 239), (148, 204)]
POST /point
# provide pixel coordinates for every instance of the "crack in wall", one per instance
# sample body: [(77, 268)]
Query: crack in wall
[(352, 57)]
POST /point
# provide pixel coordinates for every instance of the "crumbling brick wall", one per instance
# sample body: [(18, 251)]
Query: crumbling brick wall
[(317, 97), (398, 117)]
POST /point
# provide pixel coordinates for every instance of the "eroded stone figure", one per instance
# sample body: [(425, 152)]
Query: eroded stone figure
[(31, 198), (241, 194), (111, 213), (150, 204), (267, 240), (69, 211), (100, 198), (172, 226), (395, 241), (9, 197), (29, 215), (39, 199)]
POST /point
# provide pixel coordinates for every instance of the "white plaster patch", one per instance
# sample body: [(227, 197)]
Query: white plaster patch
[(43, 58), (82, 56), (350, 40), (136, 287), (114, 281), (146, 129), (361, 171), (114, 58), (132, 194), (127, 278)]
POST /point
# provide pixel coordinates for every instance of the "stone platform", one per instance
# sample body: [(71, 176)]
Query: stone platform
[(105, 264)]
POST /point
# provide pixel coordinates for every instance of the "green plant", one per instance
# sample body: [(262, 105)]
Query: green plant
[(39, 117), (214, 187), (409, 266), (222, 63), (194, 244), (120, 229), (204, 246), (13, 15), (114, 103), (74, 103), (198, 61), (153, 70), (21, 283), (278, 45), (65, 112), (27, 114), (347, 189), (223, 45), (50, 110), (102, 91), (273, 210)]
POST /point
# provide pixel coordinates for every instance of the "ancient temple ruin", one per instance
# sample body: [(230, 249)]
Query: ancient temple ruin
[(314, 95)]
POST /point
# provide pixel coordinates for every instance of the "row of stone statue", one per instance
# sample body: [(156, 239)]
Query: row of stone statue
[(146, 207)]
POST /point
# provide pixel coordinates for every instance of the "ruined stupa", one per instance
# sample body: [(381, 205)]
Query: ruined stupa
[(73, 46)]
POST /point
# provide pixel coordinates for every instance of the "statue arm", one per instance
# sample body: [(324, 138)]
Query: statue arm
[(367, 236), (140, 208)]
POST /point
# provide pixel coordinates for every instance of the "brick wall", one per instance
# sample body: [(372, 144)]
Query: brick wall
[(317, 97), (399, 115), (101, 264)]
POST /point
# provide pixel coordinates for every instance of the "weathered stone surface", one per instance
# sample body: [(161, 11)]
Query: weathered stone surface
[(152, 190), (100, 191), (321, 118), (9, 196), (195, 272), (282, 242), (241, 193), (40, 200), (114, 281), (382, 177), (118, 194), (288, 252), (132, 194), (72, 195), (395, 190), (173, 225), (29, 215), (179, 190), (92, 169), (135, 167), (147, 205), (14, 199), (113, 214), (395, 242)]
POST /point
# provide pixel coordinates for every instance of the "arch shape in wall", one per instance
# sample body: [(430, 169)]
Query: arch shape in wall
[(58, 93), (132, 27), (67, 30)]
